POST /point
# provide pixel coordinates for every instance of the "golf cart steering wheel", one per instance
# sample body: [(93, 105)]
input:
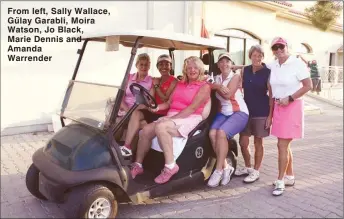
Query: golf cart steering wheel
[(143, 96)]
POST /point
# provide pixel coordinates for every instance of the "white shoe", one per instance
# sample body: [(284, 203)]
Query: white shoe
[(253, 176), (242, 171), (126, 152), (215, 178), (279, 188), (227, 173), (288, 181)]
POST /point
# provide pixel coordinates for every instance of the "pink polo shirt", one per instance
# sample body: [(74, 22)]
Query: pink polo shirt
[(129, 98), (184, 95)]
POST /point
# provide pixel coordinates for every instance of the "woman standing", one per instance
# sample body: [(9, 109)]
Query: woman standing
[(290, 80), (258, 97), (230, 121)]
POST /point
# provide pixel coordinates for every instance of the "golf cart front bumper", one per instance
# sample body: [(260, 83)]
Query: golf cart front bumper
[(51, 190), (55, 181)]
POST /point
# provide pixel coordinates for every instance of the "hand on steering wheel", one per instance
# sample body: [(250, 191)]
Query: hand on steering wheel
[(143, 96)]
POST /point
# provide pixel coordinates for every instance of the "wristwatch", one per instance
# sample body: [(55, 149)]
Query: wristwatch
[(156, 86), (291, 99)]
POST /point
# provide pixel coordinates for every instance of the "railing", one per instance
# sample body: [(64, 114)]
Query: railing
[(332, 74), (331, 83)]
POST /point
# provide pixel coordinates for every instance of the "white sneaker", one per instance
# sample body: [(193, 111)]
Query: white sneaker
[(279, 188), (242, 171), (227, 173), (126, 152), (253, 176), (288, 181), (215, 178)]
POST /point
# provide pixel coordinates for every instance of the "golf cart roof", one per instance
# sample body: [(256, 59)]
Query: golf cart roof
[(158, 39)]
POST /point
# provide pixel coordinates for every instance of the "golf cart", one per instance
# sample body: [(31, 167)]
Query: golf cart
[(82, 166)]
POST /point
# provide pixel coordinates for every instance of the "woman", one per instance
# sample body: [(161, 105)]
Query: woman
[(230, 121), (289, 80), (163, 87), (141, 77), (185, 106), (258, 98)]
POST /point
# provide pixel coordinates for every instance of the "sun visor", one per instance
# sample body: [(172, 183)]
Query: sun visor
[(112, 43)]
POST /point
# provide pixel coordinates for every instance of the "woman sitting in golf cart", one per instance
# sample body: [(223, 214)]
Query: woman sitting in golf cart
[(185, 113), (163, 87), (230, 121)]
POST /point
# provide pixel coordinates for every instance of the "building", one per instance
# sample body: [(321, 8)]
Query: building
[(32, 92)]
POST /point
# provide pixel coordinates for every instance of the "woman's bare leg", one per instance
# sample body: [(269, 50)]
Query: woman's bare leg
[(145, 141), (133, 127)]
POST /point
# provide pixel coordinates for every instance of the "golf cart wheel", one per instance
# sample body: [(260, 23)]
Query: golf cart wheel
[(32, 182), (91, 201), (232, 160)]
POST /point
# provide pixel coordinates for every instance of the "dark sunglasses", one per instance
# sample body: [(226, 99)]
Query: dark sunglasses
[(278, 46)]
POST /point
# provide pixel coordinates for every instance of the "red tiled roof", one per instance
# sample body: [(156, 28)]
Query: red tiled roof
[(283, 3)]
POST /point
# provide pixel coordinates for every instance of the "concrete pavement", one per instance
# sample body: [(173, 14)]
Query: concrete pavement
[(318, 191)]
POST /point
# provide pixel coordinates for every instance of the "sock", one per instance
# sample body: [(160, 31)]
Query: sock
[(127, 146), (139, 164), (170, 166), (290, 177), (219, 171)]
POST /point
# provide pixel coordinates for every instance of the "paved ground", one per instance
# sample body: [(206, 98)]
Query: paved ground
[(318, 192)]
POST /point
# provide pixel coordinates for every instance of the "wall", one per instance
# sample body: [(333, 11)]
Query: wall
[(265, 25), (32, 92)]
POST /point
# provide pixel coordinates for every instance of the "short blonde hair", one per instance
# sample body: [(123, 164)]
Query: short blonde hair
[(142, 57), (255, 48), (199, 64)]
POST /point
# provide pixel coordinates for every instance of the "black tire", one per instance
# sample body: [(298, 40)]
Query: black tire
[(32, 182), (232, 160), (80, 200)]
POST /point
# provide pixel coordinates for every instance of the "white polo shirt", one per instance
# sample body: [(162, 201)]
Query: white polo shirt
[(286, 79)]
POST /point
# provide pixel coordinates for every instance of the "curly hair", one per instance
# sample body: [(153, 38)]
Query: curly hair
[(199, 64)]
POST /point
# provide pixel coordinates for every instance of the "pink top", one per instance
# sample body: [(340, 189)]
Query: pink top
[(184, 95), (129, 98)]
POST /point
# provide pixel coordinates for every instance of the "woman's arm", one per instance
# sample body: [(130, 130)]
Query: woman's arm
[(166, 96), (219, 88), (306, 86), (271, 100), (202, 96), (233, 86)]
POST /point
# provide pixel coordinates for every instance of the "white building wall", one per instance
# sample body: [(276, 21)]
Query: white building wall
[(265, 24)]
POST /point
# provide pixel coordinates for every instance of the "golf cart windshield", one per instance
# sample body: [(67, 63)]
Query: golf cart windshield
[(90, 98)]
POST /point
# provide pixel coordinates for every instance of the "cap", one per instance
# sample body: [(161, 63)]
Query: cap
[(224, 55), (279, 40), (164, 57)]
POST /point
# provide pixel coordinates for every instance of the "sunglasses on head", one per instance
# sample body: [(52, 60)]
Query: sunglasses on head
[(278, 46)]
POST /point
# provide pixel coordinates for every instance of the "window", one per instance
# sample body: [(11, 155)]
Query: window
[(303, 48), (238, 43)]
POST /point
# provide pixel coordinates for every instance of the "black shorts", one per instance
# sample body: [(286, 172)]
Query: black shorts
[(149, 116)]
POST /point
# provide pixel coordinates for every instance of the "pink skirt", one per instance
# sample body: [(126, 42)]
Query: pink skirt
[(288, 121), (185, 125)]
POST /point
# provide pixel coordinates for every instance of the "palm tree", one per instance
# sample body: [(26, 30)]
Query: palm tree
[(324, 13)]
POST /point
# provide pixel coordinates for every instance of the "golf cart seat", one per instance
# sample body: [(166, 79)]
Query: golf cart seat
[(187, 152)]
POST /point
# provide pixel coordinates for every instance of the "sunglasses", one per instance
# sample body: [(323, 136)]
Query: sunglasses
[(278, 46)]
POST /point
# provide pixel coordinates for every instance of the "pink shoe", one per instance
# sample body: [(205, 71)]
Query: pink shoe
[(166, 174), (136, 170)]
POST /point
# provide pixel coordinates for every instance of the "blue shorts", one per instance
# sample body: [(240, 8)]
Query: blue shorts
[(232, 124)]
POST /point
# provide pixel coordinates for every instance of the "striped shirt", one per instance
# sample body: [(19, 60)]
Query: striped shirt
[(236, 102)]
